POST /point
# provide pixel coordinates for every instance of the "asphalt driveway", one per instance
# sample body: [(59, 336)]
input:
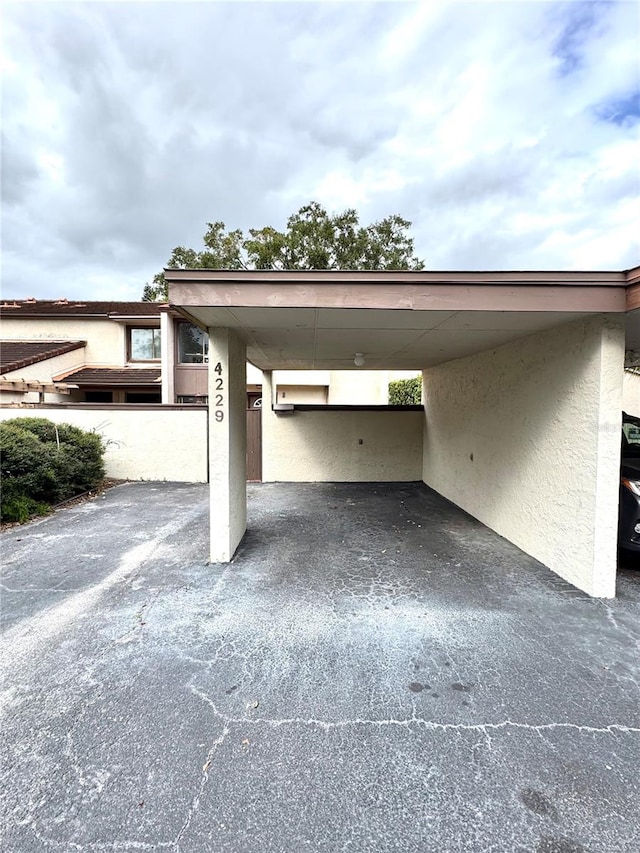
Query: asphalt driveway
[(375, 671)]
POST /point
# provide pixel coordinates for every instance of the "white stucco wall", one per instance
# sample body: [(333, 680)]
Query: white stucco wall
[(151, 444), (311, 394), (324, 446), (301, 377), (526, 438), (106, 341), (363, 387), (631, 394)]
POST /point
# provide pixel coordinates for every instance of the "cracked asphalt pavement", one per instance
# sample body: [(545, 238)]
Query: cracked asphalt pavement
[(375, 671)]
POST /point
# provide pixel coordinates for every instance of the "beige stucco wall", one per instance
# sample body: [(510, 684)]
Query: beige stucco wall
[(106, 340), (526, 438), (153, 444), (631, 394), (345, 387), (301, 377), (363, 387), (324, 446), (309, 394)]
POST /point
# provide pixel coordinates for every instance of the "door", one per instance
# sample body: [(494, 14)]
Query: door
[(254, 444)]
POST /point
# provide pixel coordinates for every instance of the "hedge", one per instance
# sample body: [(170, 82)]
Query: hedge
[(42, 464)]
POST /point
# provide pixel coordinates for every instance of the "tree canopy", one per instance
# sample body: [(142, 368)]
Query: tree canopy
[(312, 240)]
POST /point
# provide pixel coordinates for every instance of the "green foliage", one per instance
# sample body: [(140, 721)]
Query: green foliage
[(312, 240), (21, 508), (405, 392), (43, 463)]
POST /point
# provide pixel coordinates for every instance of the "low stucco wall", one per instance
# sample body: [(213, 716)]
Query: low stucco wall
[(323, 446), (526, 438), (142, 443)]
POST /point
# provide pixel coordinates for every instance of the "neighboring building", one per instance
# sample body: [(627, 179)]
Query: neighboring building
[(141, 352), (85, 352)]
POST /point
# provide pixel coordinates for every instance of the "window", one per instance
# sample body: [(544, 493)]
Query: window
[(144, 344), (200, 399), (143, 397), (193, 345), (98, 396)]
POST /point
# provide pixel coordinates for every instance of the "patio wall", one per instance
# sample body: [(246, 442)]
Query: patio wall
[(526, 438), (143, 442), (324, 446)]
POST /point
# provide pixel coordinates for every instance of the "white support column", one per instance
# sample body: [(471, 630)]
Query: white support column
[(227, 443), (168, 354), (268, 423)]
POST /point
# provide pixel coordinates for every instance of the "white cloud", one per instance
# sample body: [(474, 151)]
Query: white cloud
[(506, 132)]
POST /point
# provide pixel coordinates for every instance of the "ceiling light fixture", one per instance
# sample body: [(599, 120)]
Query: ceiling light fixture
[(358, 360)]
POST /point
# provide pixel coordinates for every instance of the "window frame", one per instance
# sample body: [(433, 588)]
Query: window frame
[(156, 331), (205, 355)]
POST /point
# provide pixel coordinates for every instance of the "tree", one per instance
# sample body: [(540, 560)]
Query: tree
[(312, 240)]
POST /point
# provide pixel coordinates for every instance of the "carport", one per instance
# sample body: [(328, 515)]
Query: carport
[(522, 390)]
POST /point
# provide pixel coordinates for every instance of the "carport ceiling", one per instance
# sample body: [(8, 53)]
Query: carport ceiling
[(324, 338), (397, 320)]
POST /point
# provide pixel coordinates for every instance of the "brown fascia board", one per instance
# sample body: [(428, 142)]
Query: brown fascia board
[(633, 288), (573, 291), (415, 277), (594, 299), (633, 275)]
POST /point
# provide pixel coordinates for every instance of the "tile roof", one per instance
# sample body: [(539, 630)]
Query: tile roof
[(15, 355), (124, 376), (77, 308)]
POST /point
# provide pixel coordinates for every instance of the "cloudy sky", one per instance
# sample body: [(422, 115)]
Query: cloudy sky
[(507, 132)]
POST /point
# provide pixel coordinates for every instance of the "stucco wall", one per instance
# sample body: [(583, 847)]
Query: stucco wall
[(311, 394), (526, 438), (301, 377), (142, 444), (106, 342), (631, 394), (324, 446)]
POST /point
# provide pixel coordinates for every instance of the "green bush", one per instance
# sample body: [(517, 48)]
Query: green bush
[(406, 392), (22, 508), (45, 463)]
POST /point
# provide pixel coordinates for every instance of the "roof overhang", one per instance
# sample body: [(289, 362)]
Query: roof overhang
[(397, 319)]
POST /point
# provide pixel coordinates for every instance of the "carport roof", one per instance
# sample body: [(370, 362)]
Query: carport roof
[(398, 319)]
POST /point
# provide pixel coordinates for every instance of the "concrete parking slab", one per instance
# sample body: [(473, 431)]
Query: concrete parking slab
[(374, 671)]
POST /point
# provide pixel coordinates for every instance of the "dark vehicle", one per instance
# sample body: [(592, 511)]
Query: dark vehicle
[(629, 522)]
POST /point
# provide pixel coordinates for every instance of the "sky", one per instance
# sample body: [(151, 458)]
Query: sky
[(508, 133)]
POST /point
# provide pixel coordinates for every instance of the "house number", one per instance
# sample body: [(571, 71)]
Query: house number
[(219, 403)]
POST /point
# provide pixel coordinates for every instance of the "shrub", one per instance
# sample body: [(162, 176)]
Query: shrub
[(405, 392), (21, 508), (26, 465), (45, 463)]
